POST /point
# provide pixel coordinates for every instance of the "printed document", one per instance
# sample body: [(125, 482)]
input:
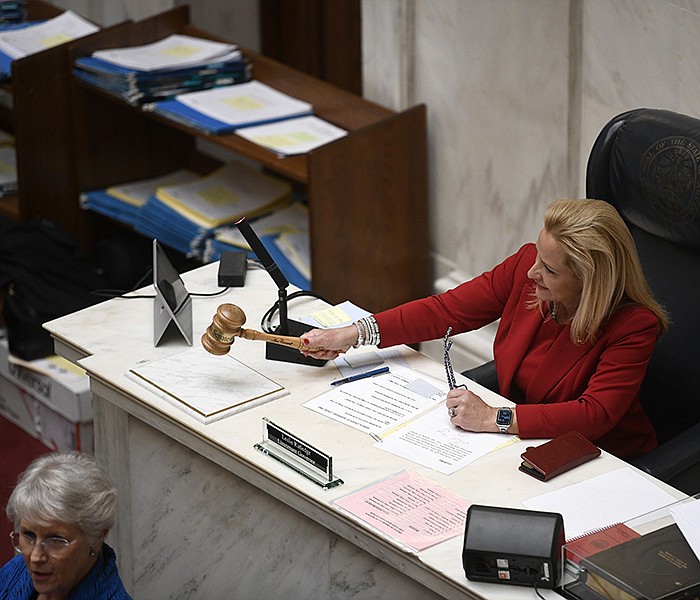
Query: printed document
[(410, 508), (294, 136), (405, 412), (433, 441), (173, 52), (377, 404), (59, 30), (244, 104)]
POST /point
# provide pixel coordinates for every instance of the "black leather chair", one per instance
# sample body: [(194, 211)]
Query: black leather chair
[(646, 163)]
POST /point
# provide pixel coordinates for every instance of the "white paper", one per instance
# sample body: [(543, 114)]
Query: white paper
[(604, 500), (377, 404), (175, 51), (59, 30), (433, 441), (335, 316), (137, 193), (242, 104), (687, 517), (294, 136)]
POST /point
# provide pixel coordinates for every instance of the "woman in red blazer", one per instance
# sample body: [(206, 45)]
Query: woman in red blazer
[(577, 327)]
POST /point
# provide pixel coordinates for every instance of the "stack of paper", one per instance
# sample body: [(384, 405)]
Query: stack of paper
[(164, 69), (124, 202), (22, 39), (183, 216), (228, 108)]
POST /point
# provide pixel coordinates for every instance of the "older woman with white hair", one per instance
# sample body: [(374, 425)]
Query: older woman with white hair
[(62, 508)]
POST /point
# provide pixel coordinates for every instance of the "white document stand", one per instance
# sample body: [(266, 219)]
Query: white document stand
[(203, 514)]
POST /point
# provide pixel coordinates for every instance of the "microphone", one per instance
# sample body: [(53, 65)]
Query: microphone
[(261, 252), (287, 326)]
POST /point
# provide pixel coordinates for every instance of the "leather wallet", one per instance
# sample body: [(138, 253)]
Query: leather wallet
[(558, 455)]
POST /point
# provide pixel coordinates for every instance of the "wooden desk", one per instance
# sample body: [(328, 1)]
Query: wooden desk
[(202, 514)]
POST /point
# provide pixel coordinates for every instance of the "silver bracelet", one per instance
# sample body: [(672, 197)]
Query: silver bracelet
[(360, 335), (368, 331)]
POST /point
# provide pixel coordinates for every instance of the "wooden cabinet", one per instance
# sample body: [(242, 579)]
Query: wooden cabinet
[(367, 192), (16, 94)]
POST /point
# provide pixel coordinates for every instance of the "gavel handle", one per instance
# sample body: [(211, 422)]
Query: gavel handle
[(282, 340)]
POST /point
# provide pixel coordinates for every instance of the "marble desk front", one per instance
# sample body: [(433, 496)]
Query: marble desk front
[(203, 514)]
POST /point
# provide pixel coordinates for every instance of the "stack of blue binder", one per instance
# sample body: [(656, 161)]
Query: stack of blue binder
[(13, 11), (139, 87), (144, 74)]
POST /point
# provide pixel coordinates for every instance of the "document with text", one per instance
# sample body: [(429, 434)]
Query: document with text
[(433, 441), (405, 412), (378, 404), (410, 508)]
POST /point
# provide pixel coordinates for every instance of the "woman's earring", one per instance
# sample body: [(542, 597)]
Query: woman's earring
[(92, 552)]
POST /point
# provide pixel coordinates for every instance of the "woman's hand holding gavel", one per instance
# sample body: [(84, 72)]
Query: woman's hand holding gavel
[(227, 325)]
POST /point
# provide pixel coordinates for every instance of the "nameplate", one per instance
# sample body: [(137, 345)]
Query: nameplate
[(298, 455)]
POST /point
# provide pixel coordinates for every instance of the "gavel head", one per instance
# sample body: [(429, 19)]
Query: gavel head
[(225, 327)]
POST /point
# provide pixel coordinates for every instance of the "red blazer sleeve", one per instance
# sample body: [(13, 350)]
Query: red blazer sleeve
[(466, 307)]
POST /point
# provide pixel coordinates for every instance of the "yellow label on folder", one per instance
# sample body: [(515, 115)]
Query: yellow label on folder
[(243, 103), (180, 51), (55, 40), (218, 196)]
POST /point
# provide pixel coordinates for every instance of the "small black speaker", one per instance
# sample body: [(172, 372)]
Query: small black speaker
[(508, 545)]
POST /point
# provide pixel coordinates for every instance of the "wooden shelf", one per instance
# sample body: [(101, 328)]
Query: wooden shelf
[(367, 192)]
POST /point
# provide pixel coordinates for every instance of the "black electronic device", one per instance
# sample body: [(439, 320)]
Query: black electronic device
[(513, 546), (233, 266), (286, 325), (172, 307)]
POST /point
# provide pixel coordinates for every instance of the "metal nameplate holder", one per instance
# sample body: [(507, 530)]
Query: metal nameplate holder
[(299, 456)]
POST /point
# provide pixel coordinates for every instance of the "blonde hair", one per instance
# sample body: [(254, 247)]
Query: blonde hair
[(600, 251)]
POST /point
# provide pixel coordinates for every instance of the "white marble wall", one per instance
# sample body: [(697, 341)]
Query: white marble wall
[(516, 92)]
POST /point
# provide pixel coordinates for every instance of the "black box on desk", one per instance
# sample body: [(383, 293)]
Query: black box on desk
[(232, 268), (508, 545)]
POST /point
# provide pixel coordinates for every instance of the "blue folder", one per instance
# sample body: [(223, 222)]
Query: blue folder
[(180, 113)]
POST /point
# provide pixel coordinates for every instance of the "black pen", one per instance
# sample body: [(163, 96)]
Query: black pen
[(360, 376)]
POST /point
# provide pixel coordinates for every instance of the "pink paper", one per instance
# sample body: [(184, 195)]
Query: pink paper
[(410, 508)]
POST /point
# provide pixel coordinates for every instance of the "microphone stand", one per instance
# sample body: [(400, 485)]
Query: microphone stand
[(286, 325)]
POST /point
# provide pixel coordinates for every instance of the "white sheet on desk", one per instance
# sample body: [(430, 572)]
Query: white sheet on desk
[(604, 500), (687, 517)]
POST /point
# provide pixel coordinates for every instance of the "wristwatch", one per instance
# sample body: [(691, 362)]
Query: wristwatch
[(504, 418)]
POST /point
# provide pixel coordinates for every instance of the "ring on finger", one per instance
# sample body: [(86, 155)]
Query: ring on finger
[(451, 411)]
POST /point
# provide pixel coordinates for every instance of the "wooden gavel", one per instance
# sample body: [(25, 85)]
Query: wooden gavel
[(227, 325)]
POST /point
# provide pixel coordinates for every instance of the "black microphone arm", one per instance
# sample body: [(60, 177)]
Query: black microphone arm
[(286, 326), (261, 252)]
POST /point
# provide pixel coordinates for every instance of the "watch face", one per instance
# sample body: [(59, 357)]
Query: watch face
[(504, 416)]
